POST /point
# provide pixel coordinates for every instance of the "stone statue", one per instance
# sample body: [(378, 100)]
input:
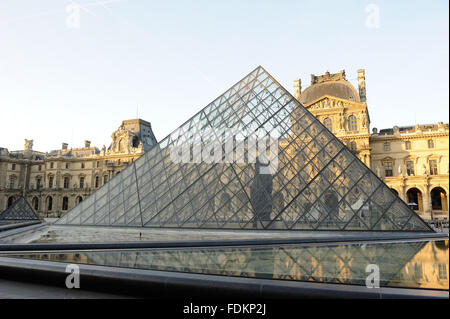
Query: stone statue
[(28, 145), (378, 171), (363, 119), (400, 170), (425, 171), (341, 122)]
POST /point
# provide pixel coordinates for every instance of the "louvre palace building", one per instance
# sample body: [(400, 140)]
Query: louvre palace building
[(413, 161), (56, 181)]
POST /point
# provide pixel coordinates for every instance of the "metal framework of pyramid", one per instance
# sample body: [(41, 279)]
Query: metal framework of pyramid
[(318, 183), (19, 210)]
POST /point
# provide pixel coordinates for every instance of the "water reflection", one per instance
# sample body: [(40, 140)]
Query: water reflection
[(406, 264)]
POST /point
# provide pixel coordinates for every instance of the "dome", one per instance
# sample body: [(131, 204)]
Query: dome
[(340, 89)]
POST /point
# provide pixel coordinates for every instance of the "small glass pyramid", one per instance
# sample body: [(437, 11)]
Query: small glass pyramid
[(309, 181), (19, 210)]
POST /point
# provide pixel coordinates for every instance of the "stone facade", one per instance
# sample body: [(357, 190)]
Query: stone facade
[(56, 181), (413, 160)]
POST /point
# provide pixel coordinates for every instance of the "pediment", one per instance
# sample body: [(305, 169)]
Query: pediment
[(330, 102)]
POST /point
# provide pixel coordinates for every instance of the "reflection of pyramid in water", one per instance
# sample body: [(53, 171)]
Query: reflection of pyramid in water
[(318, 185), (19, 210), (345, 264)]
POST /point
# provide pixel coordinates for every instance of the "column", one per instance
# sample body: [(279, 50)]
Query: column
[(427, 201)]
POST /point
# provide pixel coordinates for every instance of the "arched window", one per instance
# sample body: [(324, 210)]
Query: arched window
[(79, 199), (414, 197), (328, 124), (11, 200), (353, 146), (352, 125), (438, 199), (65, 203), (49, 203), (35, 203)]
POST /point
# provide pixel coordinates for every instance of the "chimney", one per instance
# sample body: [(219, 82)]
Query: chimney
[(87, 143), (297, 88), (362, 84), (64, 146)]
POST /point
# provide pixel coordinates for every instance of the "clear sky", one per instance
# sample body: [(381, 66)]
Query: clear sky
[(64, 79)]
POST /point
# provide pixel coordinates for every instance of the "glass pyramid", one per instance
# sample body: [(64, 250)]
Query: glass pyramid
[(309, 181), (19, 210)]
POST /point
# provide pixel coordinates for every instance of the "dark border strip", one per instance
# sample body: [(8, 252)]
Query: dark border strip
[(163, 284), (216, 243), (19, 224)]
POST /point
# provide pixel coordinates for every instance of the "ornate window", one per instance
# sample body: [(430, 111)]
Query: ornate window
[(96, 181), (65, 203), (353, 146), (433, 167), (51, 164), (49, 203), (11, 200), (105, 179), (67, 165), (430, 144), (387, 146), (328, 124), (82, 164), (50, 181), (352, 123), (13, 166), (11, 182), (40, 167), (36, 203), (38, 183), (81, 182), (66, 182), (408, 145), (388, 169), (410, 168)]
